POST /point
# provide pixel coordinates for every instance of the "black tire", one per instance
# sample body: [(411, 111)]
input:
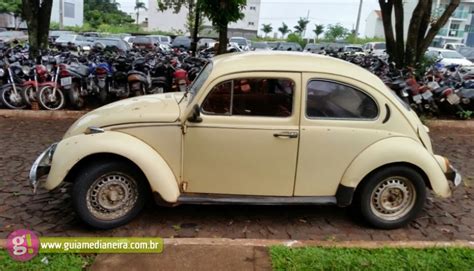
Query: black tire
[(6, 93), (46, 103), (397, 179), (95, 174), (74, 96)]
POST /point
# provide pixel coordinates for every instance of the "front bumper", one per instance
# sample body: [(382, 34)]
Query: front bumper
[(42, 165), (453, 175)]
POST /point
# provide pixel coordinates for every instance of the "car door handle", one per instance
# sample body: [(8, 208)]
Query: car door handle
[(286, 134)]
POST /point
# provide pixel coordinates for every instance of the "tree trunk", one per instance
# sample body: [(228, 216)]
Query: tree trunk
[(399, 33), (137, 17), (37, 15), (222, 39), (414, 30), (434, 29), (386, 7)]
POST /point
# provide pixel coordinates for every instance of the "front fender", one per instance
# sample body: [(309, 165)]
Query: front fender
[(73, 149), (397, 150)]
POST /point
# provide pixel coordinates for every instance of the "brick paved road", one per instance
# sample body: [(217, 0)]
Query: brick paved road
[(51, 214)]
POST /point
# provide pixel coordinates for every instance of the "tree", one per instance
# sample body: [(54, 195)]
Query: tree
[(104, 12), (139, 5), (283, 29), (423, 27), (37, 15), (318, 30), (12, 7), (300, 27), (267, 28), (221, 13), (336, 31), (191, 20)]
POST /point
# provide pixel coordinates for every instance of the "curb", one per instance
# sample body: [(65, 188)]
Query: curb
[(450, 123), (42, 114), (304, 243)]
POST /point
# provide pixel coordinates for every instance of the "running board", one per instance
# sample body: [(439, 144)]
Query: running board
[(254, 200)]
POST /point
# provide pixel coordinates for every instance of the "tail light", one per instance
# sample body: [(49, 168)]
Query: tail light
[(100, 71), (63, 72), (447, 92)]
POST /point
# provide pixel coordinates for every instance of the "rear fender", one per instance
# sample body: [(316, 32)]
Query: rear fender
[(398, 150)]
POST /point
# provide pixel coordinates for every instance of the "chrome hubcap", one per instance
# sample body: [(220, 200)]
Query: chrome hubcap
[(393, 198), (112, 196)]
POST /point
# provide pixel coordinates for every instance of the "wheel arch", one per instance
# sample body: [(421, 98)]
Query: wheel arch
[(389, 152), (75, 152)]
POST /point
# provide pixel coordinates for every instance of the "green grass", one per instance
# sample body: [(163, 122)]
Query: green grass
[(318, 258), (55, 262)]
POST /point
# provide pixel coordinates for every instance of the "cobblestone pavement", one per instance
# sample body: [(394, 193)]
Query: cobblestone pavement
[(50, 213)]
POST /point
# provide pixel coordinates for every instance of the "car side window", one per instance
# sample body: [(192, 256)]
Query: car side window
[(267, 97), (328, 99)]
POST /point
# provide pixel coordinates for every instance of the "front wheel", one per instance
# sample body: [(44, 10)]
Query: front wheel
[(28, 94), (110, 194), (11, 98), (50, 99), (391, 197)]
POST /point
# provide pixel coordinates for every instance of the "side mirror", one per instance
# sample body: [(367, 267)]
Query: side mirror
[(196, 114)]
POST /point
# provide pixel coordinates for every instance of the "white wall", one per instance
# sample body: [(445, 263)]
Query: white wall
[(374, 26), (78, 17), (169, 21)]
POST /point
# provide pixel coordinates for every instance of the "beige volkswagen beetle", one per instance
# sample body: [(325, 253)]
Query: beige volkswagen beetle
[(253, 128)]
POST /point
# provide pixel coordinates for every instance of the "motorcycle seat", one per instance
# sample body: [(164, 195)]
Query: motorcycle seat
[(82, 70)]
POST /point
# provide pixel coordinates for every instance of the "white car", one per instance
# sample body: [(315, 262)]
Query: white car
[(243, 43), (375, 48), (448, 57), (453, 46)]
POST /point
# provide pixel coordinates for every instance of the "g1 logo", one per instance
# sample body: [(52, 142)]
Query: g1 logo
[(22, 245)]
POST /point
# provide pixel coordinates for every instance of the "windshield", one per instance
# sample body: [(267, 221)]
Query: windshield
[(65, 38), (142, 40), (353, 49), (379, 46), (260, 45), (240, 42), (199, 81), (451, 54)]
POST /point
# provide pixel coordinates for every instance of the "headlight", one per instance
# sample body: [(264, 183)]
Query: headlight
[(2, 72), (26, 69)]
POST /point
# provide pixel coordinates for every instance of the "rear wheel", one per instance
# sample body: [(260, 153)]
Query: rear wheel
[(28, 94), (74, 95), (391, 197), (109, 194)]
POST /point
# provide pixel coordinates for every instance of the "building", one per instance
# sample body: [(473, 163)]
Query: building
[(374, 25), (73, 15), (176, 22), (459, 28), (73, 12)]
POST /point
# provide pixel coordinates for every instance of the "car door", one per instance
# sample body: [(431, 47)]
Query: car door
[(247, 142), (340, 117)]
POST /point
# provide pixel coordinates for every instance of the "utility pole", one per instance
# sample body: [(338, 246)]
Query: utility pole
[(307, 18), (358, 19), (61, 14)]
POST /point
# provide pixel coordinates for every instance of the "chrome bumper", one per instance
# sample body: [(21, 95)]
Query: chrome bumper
[(41, 166), (454, 176)]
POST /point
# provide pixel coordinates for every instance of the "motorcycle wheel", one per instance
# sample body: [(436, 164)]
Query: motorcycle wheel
[(74, 95), (11, 99), (49, 101), (29, 94), (103, 96)]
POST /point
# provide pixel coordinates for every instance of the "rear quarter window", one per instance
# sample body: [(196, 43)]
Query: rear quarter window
[(334, 100)]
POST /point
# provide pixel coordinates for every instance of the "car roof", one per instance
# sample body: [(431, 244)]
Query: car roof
[(292, 62)]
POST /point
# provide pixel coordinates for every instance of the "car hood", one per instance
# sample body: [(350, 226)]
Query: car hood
[(145, 109)]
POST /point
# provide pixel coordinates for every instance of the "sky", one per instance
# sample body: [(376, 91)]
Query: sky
[(320, 12)]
